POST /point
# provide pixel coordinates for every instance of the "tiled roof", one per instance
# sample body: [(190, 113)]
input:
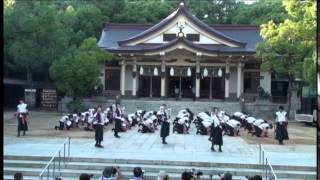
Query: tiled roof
[(115, 35)]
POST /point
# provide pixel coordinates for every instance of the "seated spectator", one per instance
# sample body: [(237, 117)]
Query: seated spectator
[(256, 177), (18, 176), (226, 176), (163, 175), (58, 178), (137, 174), (111, 173), (85, 176), (186, 175)]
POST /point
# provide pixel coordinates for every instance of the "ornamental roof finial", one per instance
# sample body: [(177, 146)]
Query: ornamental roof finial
[(182, 3)]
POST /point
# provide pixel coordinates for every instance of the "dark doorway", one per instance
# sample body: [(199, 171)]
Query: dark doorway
[(217, 87), (279, 91), (183, 83), (112, 79), (149, 86), (251, 82), (205, 87)]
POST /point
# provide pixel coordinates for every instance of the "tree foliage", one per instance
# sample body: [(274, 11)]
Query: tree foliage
[(37, 33), (34, 38), (289, 46), (78, 72), (260, 12)]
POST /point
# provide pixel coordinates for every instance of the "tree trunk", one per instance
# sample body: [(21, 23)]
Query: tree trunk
[(29, 76), (289, 98)]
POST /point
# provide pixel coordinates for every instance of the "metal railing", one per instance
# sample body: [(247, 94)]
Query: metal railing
[(268, 170), (60, 156)]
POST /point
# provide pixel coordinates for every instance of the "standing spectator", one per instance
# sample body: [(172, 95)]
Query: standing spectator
[(137, 174), (163, 176), (18, 176), (118, 100), (176, 92), (165, 127), (111, 173), (98, 124), (281, 119), (193, 90), (22, 112), (242, 103)]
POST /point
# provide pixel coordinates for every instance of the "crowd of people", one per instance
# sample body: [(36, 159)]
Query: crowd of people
[(231, 124), (216, 123)]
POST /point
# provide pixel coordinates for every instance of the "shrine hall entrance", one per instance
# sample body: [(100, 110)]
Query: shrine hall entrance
[(149, 86), (183, 84), (212, 88)]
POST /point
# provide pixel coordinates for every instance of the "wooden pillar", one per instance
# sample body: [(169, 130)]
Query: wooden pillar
[(123, 77), (151, 86), (239, 79), (198, 80), (163, 80), (134, 79), (180, 93), (226, 84), (210, 88)]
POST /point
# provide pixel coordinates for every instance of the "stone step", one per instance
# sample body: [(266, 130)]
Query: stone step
[(74, 160), (127, 176), (66, 174), (6, 177), (75, 172), (125, 167)]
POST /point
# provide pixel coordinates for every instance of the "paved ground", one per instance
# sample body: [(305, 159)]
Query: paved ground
[(43, 140)]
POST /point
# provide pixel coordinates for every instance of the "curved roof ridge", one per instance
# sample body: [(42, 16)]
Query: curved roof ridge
[(194, 19), (163, 22)]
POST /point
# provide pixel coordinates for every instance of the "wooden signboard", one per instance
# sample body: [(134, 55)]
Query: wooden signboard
[(49, 98), (30, 97)]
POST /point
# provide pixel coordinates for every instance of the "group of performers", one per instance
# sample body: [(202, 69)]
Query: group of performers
[(215, 124)]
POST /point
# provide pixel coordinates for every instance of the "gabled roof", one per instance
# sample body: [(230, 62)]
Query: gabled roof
[(114, 32), (211, 49), (172, 17)]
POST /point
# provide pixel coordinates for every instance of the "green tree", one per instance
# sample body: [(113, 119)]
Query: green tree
[(213, 11), (76, 73), (148, 11), (259, 12), (34, 38), (289, 46)]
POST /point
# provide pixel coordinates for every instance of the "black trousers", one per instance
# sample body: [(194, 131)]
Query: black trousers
[(163, 139), (98, 133), (22, 125)]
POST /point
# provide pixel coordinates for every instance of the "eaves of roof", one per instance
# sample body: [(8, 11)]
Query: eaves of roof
[(143, 48)]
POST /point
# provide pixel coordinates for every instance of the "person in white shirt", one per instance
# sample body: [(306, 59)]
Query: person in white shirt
[(281, 125), (203, 123), (232, 127), (62, 121), (98, 126), (216, 130), (248, 124), (22, 112)]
